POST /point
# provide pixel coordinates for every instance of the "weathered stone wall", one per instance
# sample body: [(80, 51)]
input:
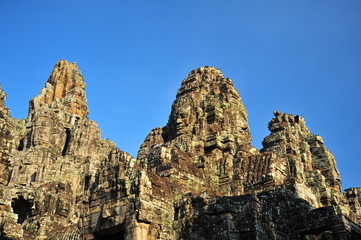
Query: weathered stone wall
[(11, 131), (353, 196), (64, 90), (312, 167), (198, 177), (53, 165), (267, 215)]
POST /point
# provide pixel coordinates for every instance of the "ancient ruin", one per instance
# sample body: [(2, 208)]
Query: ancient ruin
[(198, 177)]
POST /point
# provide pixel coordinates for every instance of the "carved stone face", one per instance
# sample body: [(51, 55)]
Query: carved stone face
[(183, 121), (42, 131)]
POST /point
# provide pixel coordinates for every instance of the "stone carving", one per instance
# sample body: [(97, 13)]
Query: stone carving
[(198, 177)]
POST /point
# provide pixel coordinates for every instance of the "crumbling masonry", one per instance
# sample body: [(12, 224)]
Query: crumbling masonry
[(196, 178)]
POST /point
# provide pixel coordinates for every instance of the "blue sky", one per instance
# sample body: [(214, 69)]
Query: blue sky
[(299, 57)]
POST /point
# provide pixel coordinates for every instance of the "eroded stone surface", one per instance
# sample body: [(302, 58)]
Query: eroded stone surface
[(267, 215), (198, 177), (353, 196), (312, 167), (55, 163), (64, 91)]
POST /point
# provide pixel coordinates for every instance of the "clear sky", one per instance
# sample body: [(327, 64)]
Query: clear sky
[(300, 57)]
